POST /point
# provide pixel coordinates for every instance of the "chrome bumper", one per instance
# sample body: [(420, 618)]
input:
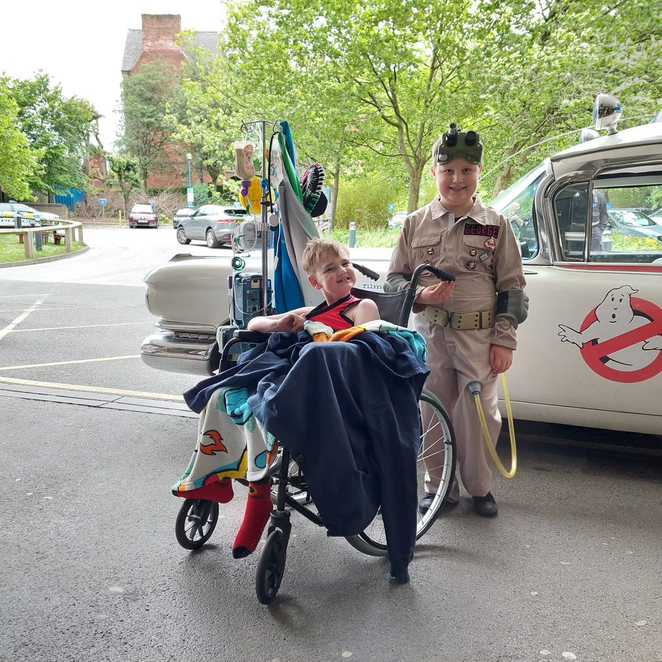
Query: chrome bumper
[(166, 350)]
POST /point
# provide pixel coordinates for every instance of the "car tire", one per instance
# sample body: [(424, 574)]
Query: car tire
[(210, 237), (181, 236)]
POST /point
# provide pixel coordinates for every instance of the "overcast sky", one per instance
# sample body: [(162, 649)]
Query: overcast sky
[(80, 43)]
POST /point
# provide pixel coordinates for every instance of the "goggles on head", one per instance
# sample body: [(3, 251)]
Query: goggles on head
[(458, 144)]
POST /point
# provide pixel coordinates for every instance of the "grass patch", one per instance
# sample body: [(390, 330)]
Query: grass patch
[(369, 238), (12, 252)]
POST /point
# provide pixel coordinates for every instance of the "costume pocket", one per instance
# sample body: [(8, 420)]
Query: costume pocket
[(426, 249), (478, 253)]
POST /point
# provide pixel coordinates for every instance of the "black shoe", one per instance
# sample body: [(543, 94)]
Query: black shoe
[(486, 506)]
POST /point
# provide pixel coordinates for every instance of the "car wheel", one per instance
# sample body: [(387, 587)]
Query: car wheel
[(181, 236), (212, 242)]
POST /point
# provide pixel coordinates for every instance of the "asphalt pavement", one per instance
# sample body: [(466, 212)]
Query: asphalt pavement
[(91, 441)]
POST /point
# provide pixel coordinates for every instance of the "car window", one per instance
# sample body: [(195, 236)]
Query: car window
[(144, 209), (571, 214), (621, 228), (517, 204), (232, 211), (6, 207)]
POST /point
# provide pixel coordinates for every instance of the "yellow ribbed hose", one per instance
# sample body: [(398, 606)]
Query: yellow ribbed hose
[(487, 437)]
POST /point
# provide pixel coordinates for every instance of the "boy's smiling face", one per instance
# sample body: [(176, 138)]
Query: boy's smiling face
[(457, 182), (335, 276)]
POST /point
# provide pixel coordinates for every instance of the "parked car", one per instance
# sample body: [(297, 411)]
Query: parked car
[(143, 215), (656, 215), (590, 352), (185, 212), (14, 213), (49, 218), (634, 223), (213, 224), (397, 220)]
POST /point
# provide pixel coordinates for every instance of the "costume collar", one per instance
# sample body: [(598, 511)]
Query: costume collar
[(477, 212)]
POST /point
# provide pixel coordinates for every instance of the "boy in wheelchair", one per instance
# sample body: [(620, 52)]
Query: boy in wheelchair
[(234, 430)]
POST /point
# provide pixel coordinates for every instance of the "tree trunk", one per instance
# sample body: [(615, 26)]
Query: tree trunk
[(503, 180), (335, 189), (415, 176)]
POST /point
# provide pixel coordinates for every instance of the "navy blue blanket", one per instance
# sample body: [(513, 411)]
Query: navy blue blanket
[(350, 410)]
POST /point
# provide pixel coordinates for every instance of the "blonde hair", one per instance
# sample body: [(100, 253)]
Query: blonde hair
[(317, 249)]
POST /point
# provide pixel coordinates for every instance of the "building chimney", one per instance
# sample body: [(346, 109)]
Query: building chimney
[(160, 31)]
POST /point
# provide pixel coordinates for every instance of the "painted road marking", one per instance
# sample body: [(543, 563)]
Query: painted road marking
[(17, 320), (46, 365), (92, 389), (82, 326), (22, 296)]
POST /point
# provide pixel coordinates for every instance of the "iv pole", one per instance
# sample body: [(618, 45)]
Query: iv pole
[(261, 125)]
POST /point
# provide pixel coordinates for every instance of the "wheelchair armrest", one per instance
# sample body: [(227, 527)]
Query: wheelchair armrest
[(250, 336)]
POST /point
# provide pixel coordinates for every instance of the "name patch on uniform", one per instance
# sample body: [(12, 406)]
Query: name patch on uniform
[(481, 230)]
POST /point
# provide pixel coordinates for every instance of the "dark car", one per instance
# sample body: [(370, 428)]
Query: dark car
[(143, 215), (15, 214), (634, 223), (213, 224)]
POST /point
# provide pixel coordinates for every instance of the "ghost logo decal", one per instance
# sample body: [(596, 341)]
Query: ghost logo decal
[(621, 338)]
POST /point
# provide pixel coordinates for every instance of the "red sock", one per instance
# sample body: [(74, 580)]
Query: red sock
[(256, 516)]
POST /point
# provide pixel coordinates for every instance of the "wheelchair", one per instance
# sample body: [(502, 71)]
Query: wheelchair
[(436, 455)]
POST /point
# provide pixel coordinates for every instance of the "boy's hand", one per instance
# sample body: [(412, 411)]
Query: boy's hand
[(436, 295), (290, 323), (501, 358)]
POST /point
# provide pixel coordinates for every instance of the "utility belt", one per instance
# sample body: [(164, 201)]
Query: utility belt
[(483, 319)]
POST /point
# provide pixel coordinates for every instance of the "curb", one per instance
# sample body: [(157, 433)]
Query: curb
[(39, 260)]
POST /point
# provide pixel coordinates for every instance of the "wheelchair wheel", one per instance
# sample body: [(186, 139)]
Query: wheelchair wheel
[(436, 459), (196, 522), (271, 567)]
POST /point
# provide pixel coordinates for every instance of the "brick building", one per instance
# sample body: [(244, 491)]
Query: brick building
[(157, 42)]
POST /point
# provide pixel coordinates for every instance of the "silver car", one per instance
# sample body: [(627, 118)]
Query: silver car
[(15, 214), (213, 224)]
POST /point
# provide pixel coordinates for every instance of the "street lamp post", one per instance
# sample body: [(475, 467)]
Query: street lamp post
[(189, 180)]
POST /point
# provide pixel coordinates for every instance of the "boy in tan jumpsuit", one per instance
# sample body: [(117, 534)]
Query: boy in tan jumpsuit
[(470, 337)]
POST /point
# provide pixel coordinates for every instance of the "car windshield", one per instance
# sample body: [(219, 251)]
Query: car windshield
[(637, 218), (145, 209), (506, 197), (6, 207), (24, 208)]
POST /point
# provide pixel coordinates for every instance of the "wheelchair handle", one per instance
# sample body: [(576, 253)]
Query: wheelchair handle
[(413, 284), (373, 275)]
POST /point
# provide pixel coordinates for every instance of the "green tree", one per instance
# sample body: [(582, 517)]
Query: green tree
[(124, 172), (146, 129), (57, 128), (204, 117), (19, 163)]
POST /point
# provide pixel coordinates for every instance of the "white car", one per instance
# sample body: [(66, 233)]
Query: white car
[(397, 220), (590, 352)]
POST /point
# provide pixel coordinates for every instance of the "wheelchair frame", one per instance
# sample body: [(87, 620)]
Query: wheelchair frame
[(197, 518)]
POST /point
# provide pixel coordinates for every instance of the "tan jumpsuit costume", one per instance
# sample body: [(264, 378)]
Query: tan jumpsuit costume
[(481, 250)]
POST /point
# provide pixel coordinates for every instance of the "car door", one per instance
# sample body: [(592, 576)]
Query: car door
[(199, 223), (591, 351)]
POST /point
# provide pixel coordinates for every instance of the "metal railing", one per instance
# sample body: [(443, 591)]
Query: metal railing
[(30, 239)]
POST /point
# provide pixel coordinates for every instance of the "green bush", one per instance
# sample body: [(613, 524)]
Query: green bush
[(364, 201)]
